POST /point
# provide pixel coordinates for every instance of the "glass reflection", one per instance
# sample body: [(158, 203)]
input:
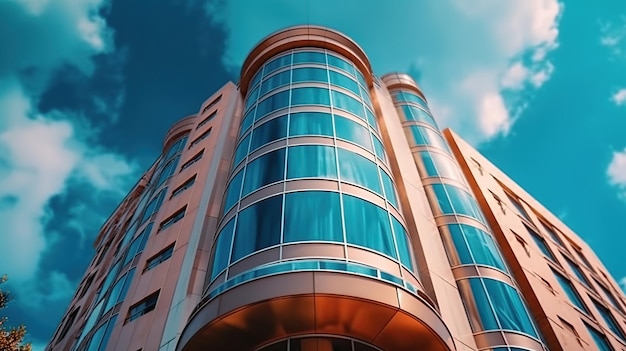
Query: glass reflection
[(258, 227), (313, 216)]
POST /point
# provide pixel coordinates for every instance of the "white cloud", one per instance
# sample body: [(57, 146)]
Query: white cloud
[(614, 35), (506, 43), (616, 172), (619, 97)]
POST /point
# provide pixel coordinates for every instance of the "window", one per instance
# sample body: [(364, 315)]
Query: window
[(454, 200), (311, 161), (173, 219), (552, 233), (310, 123), (87, 284), (142, 307), (437, 164), (357, 169), (153, 206), (206, 120), (426, 136), (568, 326), (269, 131), (221, 249), (193, 160), (570, 291), (475, 246), (609, 296), (258, 227), (200, 138), (517, 206), (159, 257), (412, 113), (601, 342), (119, 290), (578, 272), (353, 132), (608, 318), (582, 257), (186, 185), (368, 225), (168, 170), (541, 244), (211, 104), (68, 323), (312, 216), (264, 170)]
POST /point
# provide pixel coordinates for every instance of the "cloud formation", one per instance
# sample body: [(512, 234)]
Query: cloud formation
[(616, 172), (43, 153), (464, 68), (619, 97), (614, 36)]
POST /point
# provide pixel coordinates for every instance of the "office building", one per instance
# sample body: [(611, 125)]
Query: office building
[(316, 206)]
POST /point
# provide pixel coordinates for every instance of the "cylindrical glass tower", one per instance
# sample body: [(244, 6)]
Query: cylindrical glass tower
[(498, 315), (311, 248)]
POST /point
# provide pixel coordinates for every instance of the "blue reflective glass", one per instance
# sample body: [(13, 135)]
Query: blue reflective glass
[(145, 235), (578, 272), (269, 131), (275, 81), (599, 339), (264, 170), (405, 96), (277, 63), (541, 244), (348, 103), (366, 96), (371, 119), (312, 216), (247, 121), (509, 307), (367, 225), (358, 169), (310, 74), (272, 103), (353, 131), (96, 338), (361, 79), (258, 227), (404, 246), (176, 147), (251, 98), (390, 192), (426, 136), (107, 333), (233, 191), (344, 81), (153, 206), (479, 296), (311, 161), (440, 165), (571, 293), (412, 113), (242, 150), (340, 63), (453, 200), (608, 318), (310, 96), (471, 242), (311, 123), (221, 250), (309, 57), (379, 149), (256, 78), (168, 171)]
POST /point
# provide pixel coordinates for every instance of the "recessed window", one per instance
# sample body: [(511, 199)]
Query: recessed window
[(570, 291), (609, 296), (193, 160), (173, 219), (200, 138), (517, 207), (206, 120), (600, 340), (582, 258), (68, 323), (159, 257), (552, 233), (578, 272), (142, 307), (568, 326), (541, 244), (608, 318), (186, 185), (211, 104)]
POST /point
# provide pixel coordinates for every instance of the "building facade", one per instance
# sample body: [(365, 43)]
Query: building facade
[(315, 206)]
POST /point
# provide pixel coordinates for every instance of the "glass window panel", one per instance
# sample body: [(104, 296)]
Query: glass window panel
[(541, 244), (107, 333), (168, 171), (94, 343), (457, 201), (426, 136), (367, 225), (352, 131), (145, 235), (311, 123), (404, 96), (608, 318), (340, 63), (277, 63), (313, 216), (269, 131), (233, 191), (379, 149), (256, 78), (115, 292), (242, 150), (309, 57), (310, 96), (609, 296), (487, 317), (348, 103), (600, 340), (275, 81), (390, 192), (509, 307), (440, 165), (361, 79), (251, 98), (222, 249), (371, 119), (552, 233), (258, 227), (471, 242), (404, 245), (176, 147), (517, 206), (571, 293), (264, 170), (154, 205), (247, 120), (311, 161), (412, 113), (366, 95), (358, 169), (272, 103), (344, 81), (310, 74)]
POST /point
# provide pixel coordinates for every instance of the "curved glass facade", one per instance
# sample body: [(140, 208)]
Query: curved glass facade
[(308, 118), (319, 342), (496, 304)]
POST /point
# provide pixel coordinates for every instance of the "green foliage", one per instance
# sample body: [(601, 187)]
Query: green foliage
[(10, 339)]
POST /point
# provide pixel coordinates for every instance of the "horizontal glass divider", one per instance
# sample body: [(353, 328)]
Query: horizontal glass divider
[(508, 331), (480, 269), (431, 180), (457, 218)]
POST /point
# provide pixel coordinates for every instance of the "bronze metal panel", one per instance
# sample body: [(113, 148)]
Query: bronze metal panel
[(355, 286), (490, 339), (515, 339), (263, 193), (373, 259), (255, 260), (402, 333), (422, 310), (303, 250), (311, 184), (461, 272)]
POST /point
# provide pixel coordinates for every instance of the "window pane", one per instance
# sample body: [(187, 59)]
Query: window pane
[(314, 161), (599, 339), (311, 123), (404, 246), (312, 216), (379, 149), (509, 307), (440, 165), (390, 193), (232, 193), (404, 96), (94, 343), (221, 251), (573, 296), (310, 96), (277, 63), (469, 240), (518, 207), (479, 297), (251, 98), (358, 169), (275, 81), (367, 225), (455, 200), (264, 170), (541, 244), (268, 132), (310, 74), (309, 57), (352, 131), (340, 63), (107, 333), (272, 103), (348, 103), (258, 227), (608, 318), (247, 120), (412, 113), (343, 81), (242, 150), (427, 136), (168, 170)]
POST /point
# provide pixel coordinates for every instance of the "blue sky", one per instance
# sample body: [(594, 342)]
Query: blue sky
[(88, 89)]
